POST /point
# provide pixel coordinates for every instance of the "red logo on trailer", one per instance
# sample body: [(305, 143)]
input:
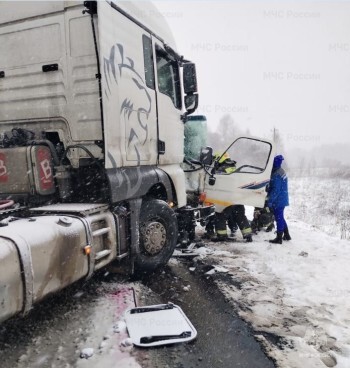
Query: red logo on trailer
[(3, 169), (43, 157)]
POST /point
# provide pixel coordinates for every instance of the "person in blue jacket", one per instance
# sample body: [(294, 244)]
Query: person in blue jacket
[(278, 199)]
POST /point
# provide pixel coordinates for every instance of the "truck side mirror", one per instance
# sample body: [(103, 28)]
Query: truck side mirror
[(206, 156), (191, 103), (189, 78), (190, 87)]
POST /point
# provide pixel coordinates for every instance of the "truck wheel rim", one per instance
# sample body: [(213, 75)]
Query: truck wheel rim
[(154, 237)]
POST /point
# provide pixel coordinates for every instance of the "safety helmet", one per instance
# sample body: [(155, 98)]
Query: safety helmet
[(222, 157)]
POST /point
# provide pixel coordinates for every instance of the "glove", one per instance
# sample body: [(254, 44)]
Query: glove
[(267, 209)]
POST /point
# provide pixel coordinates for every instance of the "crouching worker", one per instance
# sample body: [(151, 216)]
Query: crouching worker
[(232, 215), (224, 165), (262, 218), (278, 199), (238, 216)]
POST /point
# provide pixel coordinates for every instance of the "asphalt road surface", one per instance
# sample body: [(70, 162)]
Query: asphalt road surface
[(56, 330), (223, 340)]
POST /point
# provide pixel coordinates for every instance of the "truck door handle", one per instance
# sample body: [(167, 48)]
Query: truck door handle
[(50, 68), (161, 147)]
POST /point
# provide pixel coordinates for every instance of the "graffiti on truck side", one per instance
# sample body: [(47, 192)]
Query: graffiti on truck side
[(134, 100)]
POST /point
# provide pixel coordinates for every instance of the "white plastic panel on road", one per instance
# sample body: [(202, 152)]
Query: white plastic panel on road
[(159, 325)]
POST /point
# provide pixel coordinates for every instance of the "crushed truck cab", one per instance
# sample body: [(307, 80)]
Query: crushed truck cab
[(248, 174), (246, 182)]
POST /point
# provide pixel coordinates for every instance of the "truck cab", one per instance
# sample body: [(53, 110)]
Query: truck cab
[(245, 179), (93, 101), (245, 183)]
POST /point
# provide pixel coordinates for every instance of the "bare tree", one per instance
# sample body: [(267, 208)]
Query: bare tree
[(226, 132)]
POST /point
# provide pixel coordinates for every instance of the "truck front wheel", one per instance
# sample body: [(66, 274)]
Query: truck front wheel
[(158, 235)]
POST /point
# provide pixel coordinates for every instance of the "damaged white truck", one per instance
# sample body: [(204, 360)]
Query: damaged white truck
[(93, 99), (245, 184), (93, 102)]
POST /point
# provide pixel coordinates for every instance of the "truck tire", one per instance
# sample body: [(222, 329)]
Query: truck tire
[(158, 235)]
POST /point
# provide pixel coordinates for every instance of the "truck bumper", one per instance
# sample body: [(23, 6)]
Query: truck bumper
[(197, 214)]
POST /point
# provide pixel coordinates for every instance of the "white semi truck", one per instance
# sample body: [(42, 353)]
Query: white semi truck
[(93, 102)]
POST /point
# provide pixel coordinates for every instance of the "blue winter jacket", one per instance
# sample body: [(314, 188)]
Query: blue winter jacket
[(278, 189)]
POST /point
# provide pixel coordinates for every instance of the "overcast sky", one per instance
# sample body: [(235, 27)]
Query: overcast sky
[(270, 64)]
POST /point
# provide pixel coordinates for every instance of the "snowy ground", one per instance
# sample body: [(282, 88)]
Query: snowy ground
[(295, 295), (298, 292), (82, 327), (323, 202)]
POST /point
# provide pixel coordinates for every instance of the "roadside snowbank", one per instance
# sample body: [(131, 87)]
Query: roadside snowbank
[(298, 291), (323, 202)]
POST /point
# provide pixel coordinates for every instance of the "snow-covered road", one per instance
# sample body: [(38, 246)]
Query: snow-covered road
[(296, 296)]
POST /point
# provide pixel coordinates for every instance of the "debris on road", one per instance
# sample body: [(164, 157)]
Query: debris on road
[(119, 327), (87, 353), (126, 342), (159, 325), (216, 269)]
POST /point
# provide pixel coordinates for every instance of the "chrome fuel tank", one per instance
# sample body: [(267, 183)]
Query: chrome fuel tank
[(45, 253)]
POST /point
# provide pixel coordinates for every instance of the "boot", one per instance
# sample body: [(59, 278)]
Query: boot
[(278, 239), (286, 235), (248, 239), (233, 233), (220, 238), (270, 228), (208, 235)]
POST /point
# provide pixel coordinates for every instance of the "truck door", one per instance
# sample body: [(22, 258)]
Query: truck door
[(169, 105), (246, 182), (128, 91)]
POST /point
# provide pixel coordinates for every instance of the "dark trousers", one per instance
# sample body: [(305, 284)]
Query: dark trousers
[(232, 215), (220, 223), (238, 216), (279, 217), (210, 227)]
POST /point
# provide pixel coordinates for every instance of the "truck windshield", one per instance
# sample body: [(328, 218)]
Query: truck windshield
[(168, 77)]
